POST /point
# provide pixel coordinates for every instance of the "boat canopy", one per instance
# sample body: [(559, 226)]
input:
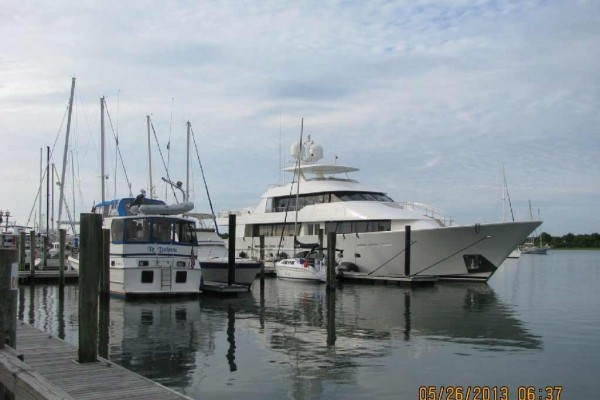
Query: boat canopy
[(121, 207)]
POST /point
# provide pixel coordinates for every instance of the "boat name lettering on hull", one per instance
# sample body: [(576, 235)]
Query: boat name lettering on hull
[(162, 249)]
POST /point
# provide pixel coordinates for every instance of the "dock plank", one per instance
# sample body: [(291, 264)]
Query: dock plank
[(56, 361)]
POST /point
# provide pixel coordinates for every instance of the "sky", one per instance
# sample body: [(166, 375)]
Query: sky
[(430, 99)]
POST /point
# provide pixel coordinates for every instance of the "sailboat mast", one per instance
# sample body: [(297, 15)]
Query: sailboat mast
[(149, 160), (102, 173), (503, 195), (64, 166), (187, 164), (40, 190), (301, 153)]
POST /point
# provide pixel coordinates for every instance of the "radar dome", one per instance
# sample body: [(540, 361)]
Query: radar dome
[(297, 150), (316, 152)]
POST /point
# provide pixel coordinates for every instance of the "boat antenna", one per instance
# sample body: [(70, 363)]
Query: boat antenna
[(204, 179)]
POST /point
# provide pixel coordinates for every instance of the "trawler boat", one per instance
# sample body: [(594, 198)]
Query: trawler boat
[(369, 226), (150, 253)]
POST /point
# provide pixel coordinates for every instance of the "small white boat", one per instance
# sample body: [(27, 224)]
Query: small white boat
[(214, 256), (306, 269)]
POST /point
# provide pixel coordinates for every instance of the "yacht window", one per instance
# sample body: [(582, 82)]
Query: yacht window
[(147, 276), (137, 230), (185, 232), (180, 276), (162, 230), (116, 231)]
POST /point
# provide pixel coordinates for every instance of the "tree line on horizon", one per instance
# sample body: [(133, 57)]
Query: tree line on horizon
[(572, 241)]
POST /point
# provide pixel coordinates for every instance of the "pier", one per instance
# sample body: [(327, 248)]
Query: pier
[(47, 368)]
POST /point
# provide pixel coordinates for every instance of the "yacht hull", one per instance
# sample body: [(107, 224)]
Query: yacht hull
[(469, 253)]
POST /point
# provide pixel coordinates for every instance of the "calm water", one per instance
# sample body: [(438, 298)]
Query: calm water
[(536, 323)]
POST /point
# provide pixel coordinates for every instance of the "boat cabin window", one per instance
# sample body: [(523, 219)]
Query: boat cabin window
[(137, 230), (288, 203), (162, 230), (358, 226), (155, 230), (185, 232)]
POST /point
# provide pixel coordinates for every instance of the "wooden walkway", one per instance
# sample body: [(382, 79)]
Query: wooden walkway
[(55, 360)]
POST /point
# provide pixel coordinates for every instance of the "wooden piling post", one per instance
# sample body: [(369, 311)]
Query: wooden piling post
[(22, 241), (261, 257), (105, 273), (407, 250), (62, 235), (45, 252), (231, 254), (331, 261), (320, 251), (32, 256), (8, 298), (90, 265)]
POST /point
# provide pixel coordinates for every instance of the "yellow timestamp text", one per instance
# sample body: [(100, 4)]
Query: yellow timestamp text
[(489, 393)]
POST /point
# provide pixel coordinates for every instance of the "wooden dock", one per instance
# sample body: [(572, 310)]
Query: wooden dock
[(56, 362), (397, 280)]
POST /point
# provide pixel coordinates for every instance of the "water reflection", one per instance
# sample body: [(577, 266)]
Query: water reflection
[(291, 332)]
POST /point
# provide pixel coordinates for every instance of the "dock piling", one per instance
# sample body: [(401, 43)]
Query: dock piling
[(407, 250), (61, 262), (32, 256), (8, 298), (331, 261), (22, 244), (90, 265), (261, 257), (231, 253)]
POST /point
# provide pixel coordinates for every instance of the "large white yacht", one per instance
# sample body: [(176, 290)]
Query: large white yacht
[(370, 226)]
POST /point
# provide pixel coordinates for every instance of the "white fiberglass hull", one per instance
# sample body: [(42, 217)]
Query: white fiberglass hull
[(160, 275), (218, 271), (295, 269), (460, 252)]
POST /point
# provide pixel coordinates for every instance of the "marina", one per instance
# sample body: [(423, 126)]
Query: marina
[(292, 340)]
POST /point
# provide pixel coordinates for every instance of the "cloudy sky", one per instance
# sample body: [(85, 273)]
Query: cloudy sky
[(429, 98)]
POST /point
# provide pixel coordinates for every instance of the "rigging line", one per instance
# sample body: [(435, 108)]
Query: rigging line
[(385, 263), (118, 149), (36, 197), (204, 179), (51, 152), (169, 142), (163, 161), (452, 255), (509, 203), (290, 196)]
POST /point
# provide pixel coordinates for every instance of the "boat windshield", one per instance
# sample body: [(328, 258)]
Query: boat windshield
[(288, 203), (153, 230)]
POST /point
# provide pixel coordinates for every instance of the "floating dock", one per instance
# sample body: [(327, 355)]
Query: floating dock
[(47, 276), (397, 280), (49, 370)]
